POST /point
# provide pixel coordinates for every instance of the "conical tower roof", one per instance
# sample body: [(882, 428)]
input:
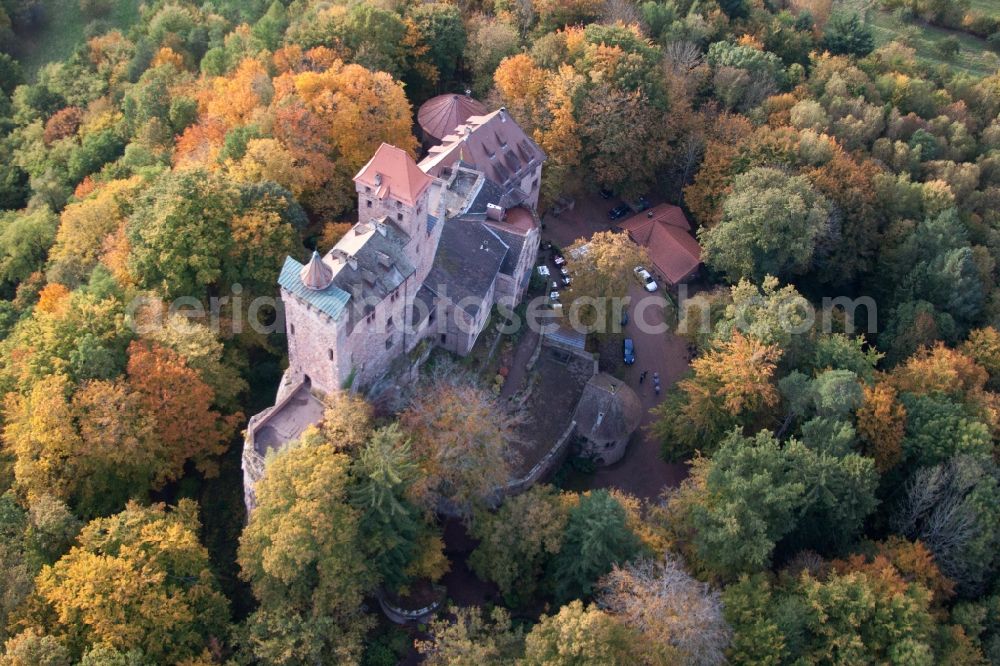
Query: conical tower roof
[(316, 274), (440, 115)]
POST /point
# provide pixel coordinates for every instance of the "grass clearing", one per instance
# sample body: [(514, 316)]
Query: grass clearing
[(63, 32), (974, 57)]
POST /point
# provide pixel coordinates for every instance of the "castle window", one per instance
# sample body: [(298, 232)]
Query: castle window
[(369, 202), (388, 343), (444, 338), (399, 204), (367, 189), (329, 353), (291, 329), (370, 318), (399, 217), (388, 322)]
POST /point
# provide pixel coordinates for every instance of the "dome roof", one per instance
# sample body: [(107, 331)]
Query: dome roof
[(608, 410), (316, 275), (439, 115)]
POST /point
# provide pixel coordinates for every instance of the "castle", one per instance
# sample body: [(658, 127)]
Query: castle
[(436, 246)]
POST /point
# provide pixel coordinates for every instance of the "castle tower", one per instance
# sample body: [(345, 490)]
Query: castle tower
[(393, 187)]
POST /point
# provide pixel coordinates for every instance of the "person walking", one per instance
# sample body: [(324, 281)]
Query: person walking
[(642, 376)]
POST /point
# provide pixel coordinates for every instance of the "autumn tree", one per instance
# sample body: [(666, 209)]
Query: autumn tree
[(187, 428), (732, 383), (663, 603), (602, 273), (585, 636), (471, 639), (881, 425), (461, 442), (770, 225), (303, 557), (140, 579)]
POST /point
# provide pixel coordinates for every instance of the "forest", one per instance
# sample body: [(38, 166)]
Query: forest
[(842, 501)]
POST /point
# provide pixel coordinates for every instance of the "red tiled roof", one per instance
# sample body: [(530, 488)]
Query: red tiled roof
[(392, 172), (439, 115), (666, 234)]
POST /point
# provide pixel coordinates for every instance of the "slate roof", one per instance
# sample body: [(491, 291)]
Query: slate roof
[(330, 301), (469, 256), (381, 265), (493, 144), (514, 242), (608, 410)]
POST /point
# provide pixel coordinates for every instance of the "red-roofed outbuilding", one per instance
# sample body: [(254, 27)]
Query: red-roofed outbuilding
[(666, 234)]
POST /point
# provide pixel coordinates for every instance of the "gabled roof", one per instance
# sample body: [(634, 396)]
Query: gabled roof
[(439, 115), (666, 234), (493, 144), (331, 301), (392, 172), (468, 258)]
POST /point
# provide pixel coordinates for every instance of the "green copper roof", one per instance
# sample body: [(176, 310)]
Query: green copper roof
[(330, 301)]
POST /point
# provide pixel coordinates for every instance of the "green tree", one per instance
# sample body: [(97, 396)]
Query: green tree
[(441, 29), (847, 34), (25, 239), (597, 537), (771, 225), (758, 492), (179, 233), (389, 525), (270, 29), (517, 541)]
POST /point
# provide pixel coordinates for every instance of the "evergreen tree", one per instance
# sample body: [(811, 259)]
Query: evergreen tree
[(390, 524), (597, 538)]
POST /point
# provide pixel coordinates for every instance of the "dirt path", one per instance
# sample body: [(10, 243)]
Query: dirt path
[(642, 472), (518, 371)]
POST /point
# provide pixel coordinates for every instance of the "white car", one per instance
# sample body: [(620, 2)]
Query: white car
[(645, 278), (543, 271)]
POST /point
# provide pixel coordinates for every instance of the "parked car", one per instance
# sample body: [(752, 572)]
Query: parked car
[(628, 351), (543, 271), (606, 193), (645, 278), (639, 204), (618, 212)]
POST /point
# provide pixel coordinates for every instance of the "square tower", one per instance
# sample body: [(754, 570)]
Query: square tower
[(392, 188)]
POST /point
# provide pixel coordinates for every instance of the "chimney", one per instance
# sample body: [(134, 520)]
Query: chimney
[(380, 227), (378, 179), (503, 114), (494, 212), (352, 261)]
